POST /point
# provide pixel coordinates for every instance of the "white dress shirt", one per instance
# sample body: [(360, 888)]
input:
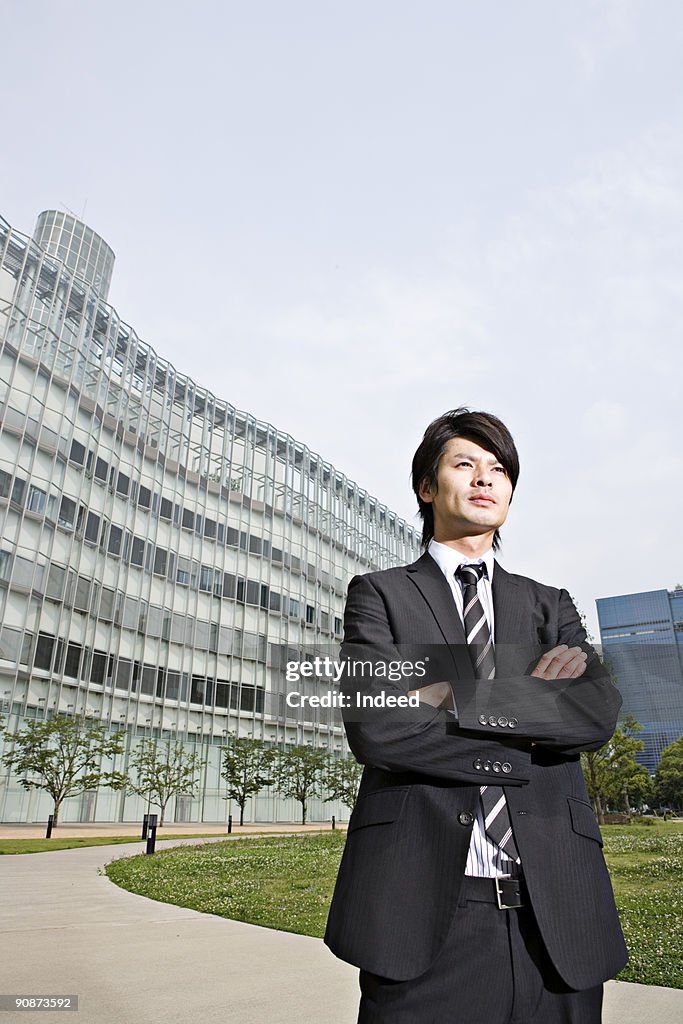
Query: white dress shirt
[(485, 859)]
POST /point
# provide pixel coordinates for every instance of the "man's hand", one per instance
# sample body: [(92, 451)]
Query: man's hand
[(439, 695), (561, 663)]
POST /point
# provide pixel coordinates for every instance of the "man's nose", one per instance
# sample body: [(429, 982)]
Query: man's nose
[(483, 477)]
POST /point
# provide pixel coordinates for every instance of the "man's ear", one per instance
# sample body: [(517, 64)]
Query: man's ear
[(426, 491)]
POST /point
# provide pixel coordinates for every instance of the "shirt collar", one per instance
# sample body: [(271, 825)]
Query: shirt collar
[(448, 559)]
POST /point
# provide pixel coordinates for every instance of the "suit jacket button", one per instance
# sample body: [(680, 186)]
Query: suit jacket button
[(502, 720), (496, 766), (493, 720), (513, 723), (477, 764), (507, 767), (483, 720), (486, 766), (465, 818)]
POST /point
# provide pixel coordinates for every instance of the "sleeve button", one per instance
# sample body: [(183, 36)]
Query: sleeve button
[(507, 767), (493, 720), (483, 720), (512, 723), (477, 764), (502, 721), (496, 766)]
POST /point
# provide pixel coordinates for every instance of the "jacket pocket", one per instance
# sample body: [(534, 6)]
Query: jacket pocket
[(378, 808), (583, 819)]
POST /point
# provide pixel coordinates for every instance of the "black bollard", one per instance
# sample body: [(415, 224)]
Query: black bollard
[(151, 838), (229, 824), (145, 826), (334, 823), (50, 823)]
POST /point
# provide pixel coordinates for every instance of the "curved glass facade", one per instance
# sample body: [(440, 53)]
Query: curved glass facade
[(76, 245), (163, 554)]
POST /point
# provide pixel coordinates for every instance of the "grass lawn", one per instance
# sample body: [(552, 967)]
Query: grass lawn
[(646, 865), (44, 845), (287, 883)]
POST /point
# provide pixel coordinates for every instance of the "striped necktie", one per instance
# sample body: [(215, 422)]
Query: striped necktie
[(496, 813)]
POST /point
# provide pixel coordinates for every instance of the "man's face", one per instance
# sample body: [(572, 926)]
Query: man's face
[(473, 492)]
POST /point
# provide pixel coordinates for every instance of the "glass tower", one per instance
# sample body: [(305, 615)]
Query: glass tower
[(163, 554), (642, 637)]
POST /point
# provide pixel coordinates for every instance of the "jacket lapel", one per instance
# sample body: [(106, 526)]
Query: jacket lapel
[(431, 582), (511, 623)]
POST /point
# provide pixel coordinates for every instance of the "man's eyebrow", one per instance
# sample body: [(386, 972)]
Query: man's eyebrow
[(468, 455)]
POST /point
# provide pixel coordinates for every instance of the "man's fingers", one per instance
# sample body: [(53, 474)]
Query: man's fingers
[(561, 662)]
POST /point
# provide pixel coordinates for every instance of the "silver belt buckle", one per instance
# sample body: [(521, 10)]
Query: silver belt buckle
[(507, 892)]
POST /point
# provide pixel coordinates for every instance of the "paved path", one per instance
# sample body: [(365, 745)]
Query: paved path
[(65, 928)]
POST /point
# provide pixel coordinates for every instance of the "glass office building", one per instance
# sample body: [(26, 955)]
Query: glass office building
[(163, 554), (642, 637)]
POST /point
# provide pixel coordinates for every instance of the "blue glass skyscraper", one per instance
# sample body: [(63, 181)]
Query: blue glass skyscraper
[(642, 637)]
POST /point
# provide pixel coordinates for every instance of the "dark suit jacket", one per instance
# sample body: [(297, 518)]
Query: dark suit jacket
[(397, 892)]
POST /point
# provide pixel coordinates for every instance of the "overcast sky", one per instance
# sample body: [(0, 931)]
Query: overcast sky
[(348, 218)]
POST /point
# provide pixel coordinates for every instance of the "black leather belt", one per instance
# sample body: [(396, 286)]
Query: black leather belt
[(506, 892)]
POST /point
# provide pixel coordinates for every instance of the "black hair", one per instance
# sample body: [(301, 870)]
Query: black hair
[(483, 428)]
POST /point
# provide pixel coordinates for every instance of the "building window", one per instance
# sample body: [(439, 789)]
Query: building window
[(101, 470), (44, 648), (310, 615), (123, 484), (160, 561), (17, 497), (166, 509), (188, 519), (10, 643), (82, 597), (123, 674), (67, 513), (137, 553), (36, 500), (98, 668), (77, 452), (73, 660), (5, 481), (55, 582), (144, 497), (206, 578), (5, 564), (115, 537), (197, 690), (92, 528), (107, 604)]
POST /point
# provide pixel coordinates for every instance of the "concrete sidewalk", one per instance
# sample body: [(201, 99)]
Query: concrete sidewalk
[(68, 930)]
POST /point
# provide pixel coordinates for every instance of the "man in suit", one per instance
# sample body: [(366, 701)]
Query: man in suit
[(473, 889)]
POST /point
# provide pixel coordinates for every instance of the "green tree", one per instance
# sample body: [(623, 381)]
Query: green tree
[(613, 776), (300, 773), (669, 776), (62, 755), (248, 766), (342, 779), (162, 771)]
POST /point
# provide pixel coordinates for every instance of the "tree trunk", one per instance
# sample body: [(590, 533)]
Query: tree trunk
[(241, 814), (303, 812), (55, 812)]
